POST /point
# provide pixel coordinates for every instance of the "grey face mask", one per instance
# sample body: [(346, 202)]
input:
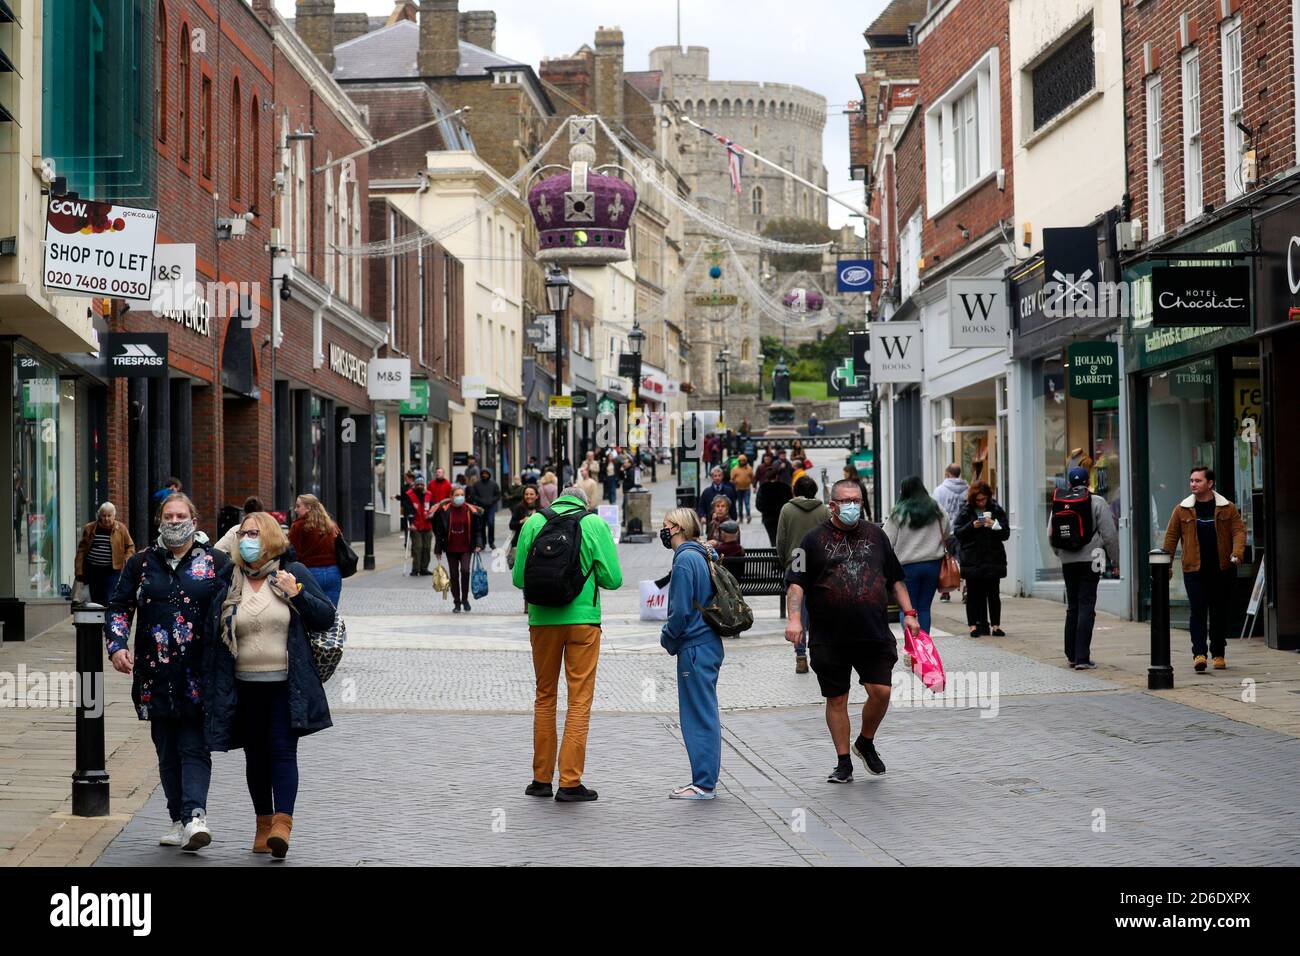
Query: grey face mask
[(175, 534)]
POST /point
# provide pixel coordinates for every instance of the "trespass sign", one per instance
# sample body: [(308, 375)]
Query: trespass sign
[(96, 248), (1094, 370)]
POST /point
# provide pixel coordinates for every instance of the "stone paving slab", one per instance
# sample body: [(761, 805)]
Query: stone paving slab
[(1173, 786)]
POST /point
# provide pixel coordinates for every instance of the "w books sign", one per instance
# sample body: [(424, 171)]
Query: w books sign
[(895, 352), (977, 313)]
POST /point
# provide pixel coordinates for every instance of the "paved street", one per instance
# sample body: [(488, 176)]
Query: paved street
[(431, 751)]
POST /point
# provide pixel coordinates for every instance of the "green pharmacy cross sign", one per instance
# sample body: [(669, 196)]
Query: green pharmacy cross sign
[(1094, 370)]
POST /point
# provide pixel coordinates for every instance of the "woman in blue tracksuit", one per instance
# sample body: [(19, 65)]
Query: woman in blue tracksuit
[(698, 649)]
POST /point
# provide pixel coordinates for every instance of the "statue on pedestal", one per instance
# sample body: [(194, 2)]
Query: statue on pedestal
[(780, 413)]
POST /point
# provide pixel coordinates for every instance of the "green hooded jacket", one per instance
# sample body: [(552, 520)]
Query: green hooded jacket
[(598, 548)]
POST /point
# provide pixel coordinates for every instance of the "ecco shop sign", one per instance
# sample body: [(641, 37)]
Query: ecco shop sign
[(97, 248), (344, 363), (1200, 295), (135, 354)]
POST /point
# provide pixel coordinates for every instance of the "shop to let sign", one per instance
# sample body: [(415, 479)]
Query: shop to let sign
[(1094, 370), (96, 248)]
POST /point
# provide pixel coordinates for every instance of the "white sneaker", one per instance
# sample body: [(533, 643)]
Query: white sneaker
[(197, 835), (173, 836)]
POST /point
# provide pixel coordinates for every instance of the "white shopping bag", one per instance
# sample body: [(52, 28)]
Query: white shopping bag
[(654, 602)]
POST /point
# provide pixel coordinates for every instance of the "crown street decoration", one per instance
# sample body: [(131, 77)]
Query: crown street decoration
[(596, 209)]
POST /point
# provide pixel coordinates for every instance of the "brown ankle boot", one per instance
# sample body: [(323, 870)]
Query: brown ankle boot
[(278, 840), (263, 831)]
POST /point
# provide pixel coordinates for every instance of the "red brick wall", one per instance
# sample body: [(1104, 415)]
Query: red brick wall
[(1268, 93), (969, 30)]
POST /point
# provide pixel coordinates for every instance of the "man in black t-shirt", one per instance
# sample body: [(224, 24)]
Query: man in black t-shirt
[(846, 571)]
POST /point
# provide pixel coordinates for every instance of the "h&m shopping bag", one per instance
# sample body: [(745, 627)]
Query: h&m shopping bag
[(654, 601), (925, 660)]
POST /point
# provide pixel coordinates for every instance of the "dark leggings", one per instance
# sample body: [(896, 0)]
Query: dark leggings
[(270, 745), (458, 567), (983, 602)]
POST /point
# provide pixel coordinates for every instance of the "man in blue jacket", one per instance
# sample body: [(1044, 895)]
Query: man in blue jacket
[(704, 506)]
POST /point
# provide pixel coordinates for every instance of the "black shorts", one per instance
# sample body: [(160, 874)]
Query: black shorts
[(833, 663)]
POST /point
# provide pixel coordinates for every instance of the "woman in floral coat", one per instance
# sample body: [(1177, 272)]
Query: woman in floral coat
[(173, 591)]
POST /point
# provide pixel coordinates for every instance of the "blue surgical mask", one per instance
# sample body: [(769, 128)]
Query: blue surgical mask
[(250, 549), (850, 514), (458, 500)]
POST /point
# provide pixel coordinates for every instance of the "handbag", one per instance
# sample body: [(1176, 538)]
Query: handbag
[(441, 579), (949, 570), (344, 557), (478, 579), (327, 648)]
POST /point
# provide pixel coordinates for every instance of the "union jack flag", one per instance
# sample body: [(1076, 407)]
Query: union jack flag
[(734, 157)]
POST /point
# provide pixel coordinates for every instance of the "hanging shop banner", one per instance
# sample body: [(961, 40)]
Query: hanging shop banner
[(849, 379), (416, 407), (1200, 295), (489, 404), (855, 275), (1094, 370), (135, 354), (96, 248), (175, 291), (510, 412), (895, 352), (540, 333), (390, 378), (473, 386), (977, 313), (627, 364)]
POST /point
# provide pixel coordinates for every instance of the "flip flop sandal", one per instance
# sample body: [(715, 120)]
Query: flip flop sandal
[(691, 792)]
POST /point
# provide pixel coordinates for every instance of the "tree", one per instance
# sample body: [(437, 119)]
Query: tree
[(802, 232)]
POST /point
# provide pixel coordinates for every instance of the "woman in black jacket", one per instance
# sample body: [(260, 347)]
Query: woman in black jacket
[(981, 528), (172, 591), (772, 496), (530, 505), (263, 689), (458, 532)]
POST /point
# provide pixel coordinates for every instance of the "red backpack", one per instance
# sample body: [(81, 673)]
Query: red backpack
[(1072, 525)]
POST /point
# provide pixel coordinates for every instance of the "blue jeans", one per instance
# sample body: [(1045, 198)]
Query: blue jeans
[(697, 702), (330, 581), (270, 745), (922, 582), (742, 504), (611, 489), (184, 764)]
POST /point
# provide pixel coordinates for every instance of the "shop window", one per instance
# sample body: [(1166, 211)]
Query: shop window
[(1155, 160), (161, 62), (39, 560), (1070, 433), (206, 132), (183, 111), (379, 461), (236, 144), (1192, 180)]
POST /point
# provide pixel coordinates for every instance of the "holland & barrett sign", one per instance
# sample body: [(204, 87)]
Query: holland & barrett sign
[(1094, 370)]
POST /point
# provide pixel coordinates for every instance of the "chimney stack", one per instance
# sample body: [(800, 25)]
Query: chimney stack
[(479, 27), (439, 38), (314, 23), (609, 73)]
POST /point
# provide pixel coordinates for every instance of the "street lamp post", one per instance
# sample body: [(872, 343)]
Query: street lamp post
[(636, 340), (761, 360), (558, 290), (721, 363)]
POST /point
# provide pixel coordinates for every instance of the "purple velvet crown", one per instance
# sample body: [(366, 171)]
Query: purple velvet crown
[(812, 299), (582, 217)]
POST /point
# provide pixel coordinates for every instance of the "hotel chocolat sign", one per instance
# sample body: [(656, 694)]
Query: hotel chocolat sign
[(1200, 295), (1094, 370)]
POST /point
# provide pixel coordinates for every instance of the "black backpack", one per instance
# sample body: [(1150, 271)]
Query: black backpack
[(1072, 526), (553, 575)]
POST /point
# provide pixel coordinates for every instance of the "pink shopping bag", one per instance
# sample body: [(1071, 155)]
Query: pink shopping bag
[(925, 660)]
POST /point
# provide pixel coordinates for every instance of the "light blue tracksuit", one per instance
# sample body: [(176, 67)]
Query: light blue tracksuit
[(698, 649)]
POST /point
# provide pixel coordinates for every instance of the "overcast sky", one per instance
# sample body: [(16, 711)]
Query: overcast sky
[(816, 44)]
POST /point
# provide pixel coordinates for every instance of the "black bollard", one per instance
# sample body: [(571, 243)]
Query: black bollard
[(1160, 675), (90, 780), (368, 562)]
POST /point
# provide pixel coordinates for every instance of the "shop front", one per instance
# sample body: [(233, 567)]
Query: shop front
[(538, 388), (1193, 385), (1269, 404), (1069, 399)]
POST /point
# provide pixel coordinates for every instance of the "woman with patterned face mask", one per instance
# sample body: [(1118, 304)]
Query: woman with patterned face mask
[(172, 591)]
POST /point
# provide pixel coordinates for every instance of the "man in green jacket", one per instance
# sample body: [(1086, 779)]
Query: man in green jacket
[(799, 515), (569, 634)]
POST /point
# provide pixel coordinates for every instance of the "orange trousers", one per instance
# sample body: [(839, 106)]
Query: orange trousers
[(577, 646)]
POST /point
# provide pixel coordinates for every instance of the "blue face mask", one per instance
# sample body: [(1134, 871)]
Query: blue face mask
[(850, 514), (250, 550), (458, 500)]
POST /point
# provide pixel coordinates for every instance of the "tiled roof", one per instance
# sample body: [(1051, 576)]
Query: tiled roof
[(391, 53), (897, 17), (647, 82)]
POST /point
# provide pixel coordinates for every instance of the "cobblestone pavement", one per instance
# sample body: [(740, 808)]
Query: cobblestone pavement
[(1022, 762), (1170, 784)]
